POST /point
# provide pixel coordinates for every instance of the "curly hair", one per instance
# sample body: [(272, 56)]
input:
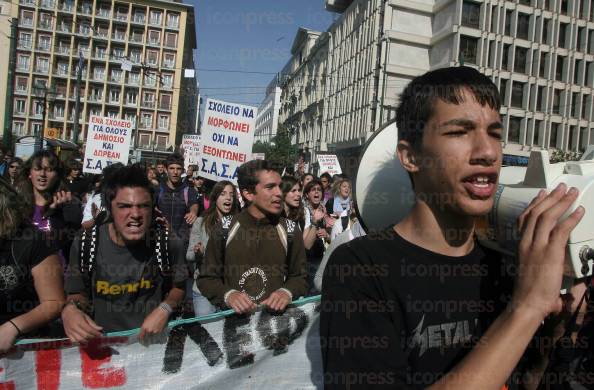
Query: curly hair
[(13, 210)]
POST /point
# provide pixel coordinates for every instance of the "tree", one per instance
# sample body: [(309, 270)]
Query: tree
[(279, 151)]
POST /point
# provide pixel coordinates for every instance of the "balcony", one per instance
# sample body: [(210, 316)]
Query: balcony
[(115, 78), (148, 104), (155, 21), (133, 81), (64, 50), (99, 55), (49, 4), (173, 24), (165, 106), (99, 76), (168, 64), (66, 7), (84, 30), (27, 2), (136, 38), (26, 22), (43, 47), (45, 25), (118, 37), (103, 13), (65, 28), (135, 59), (62, 72), (131, 102), (25, 44), (153, 42), (138, 19), (95, 98), (121, 17), (42, 69), (85, 10)]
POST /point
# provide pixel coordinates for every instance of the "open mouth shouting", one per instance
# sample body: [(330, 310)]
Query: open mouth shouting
[(481, 185)]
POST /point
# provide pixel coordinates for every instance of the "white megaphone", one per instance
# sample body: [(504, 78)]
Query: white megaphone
[(384, 195)]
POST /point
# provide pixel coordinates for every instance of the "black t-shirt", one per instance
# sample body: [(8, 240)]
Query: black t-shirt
[(396, 315), (126, 284), (18, 257)]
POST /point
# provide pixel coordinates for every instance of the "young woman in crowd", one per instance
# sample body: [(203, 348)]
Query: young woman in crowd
[(315, 234), (53, 210), (201, 194), (340, 203), (326, 181), (31, 289), (224, 202), (306, 178), (153, 177), (73, 182), (293, 207), (12, 170)]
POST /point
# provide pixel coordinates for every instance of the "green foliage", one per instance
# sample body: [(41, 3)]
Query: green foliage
[(560, 156), (280, 152)]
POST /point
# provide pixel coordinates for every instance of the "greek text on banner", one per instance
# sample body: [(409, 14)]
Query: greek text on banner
[(108, 142), (227, 139)]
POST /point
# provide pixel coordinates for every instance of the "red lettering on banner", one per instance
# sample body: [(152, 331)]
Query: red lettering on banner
[(47, 367), (6, 385), (93, 357)]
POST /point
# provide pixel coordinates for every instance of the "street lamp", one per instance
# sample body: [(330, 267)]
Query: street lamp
[(49, 95)]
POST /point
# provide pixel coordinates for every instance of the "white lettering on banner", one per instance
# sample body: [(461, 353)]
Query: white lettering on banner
[(108, 142), (228, 137), (232, 352)]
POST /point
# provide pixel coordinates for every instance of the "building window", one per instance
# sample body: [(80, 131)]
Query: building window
[(165, 102), (26, 19), (546, 28), (503, 91), (468, 49), (173, 20), (505, 56), (520, 60), (152, 57), (22, 62), (44, 42), (161, 141), (559, 68), (21, 84), (586, 103), (154, 37), (540, 99), (563, 30), (144, 140), (25, 41), (148, 100), (19, 106), (131, 97), (523, 26), (542, 65), (508, 17), (536, 132), (575, 107), (163, 122), (146, 120), (133, 78), (571, 142), (42, 65), (576, 71), (471, 13), (517, 94), (513, 130), (155, 17), (171, 39), (581, 39), (167, 80), (169, 60), (114, 95), (564, 7), (18, 128), (556, 101)]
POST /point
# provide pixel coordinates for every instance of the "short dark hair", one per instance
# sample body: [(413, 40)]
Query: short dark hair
[(174, 158), (124, 176), (448, 84), (314, 182), (247, 174), (327, 176), (72, 164)]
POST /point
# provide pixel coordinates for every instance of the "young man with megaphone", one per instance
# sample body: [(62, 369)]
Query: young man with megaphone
[(422, 304)]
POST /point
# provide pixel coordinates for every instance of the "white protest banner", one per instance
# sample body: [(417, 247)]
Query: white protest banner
[(219, 351), (108, 142), (329, 163), (259, 156), (227, 138), (191, 146)]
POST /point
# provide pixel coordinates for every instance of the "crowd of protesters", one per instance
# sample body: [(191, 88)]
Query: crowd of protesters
[(60, 228)]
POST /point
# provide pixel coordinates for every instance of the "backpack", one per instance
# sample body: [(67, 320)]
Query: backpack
[(286, 232), (89, 241)]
